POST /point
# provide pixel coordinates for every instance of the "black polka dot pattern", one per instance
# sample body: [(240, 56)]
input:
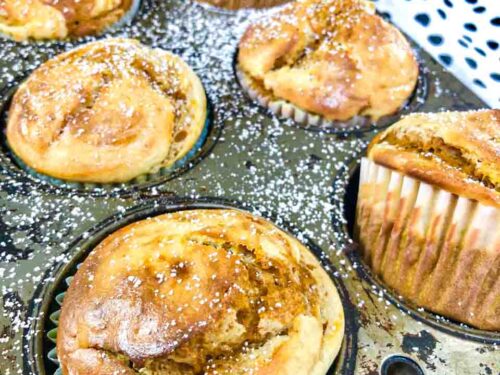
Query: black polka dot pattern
[(423, 19), (446, 59), (480, 51), (492, 44), (435, 40), (479, 83), (462, 35), (470, 27), (471, 62)]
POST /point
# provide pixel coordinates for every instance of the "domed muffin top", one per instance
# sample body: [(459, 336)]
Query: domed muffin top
[(108, 111), (457, 151), (203, 291), (57, 19), (335, 58)]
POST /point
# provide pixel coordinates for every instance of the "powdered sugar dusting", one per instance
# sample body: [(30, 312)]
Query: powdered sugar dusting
[(271, 165)]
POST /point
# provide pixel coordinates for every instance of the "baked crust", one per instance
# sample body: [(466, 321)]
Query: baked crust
[(58, 19), (203, 291), (241, 4), (335, 58), (457, 151), (108, 111)]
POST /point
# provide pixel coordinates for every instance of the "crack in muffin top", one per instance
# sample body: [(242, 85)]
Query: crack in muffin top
[(203, 291), (335, 58), (108, 111)]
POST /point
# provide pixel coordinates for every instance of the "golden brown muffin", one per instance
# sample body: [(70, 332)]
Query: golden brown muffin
[(333, 58), (200, 292), (107, 112), (58, 19), (240, 4), (428, 217)]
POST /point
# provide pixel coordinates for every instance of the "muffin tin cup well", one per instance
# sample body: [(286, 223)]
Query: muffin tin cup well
[(347, 226), (53, 296), (206, 141)]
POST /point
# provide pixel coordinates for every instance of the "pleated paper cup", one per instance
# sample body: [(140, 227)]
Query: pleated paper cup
[(436, 249), (287, 110)]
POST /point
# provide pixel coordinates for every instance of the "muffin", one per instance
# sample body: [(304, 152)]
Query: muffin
[(428, 218), (107, 112), (55, 19), (210, 291), (319, 61), (239, 4)]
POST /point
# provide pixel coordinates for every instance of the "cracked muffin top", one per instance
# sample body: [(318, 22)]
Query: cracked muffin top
[(334, 58), (211, 291), (58, 19), (107, 112), (457, 151)]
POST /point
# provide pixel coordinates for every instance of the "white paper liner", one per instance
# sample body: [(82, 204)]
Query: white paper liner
[(287, 110), (436, 249)]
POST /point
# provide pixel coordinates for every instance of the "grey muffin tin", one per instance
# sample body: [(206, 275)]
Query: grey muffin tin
[(303, 179)]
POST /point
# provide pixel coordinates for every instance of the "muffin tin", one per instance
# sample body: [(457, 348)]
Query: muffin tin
[(302, 179)]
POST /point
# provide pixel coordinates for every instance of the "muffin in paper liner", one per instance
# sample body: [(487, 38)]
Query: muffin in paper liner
[(139, 180), (39, 20), (146, 293), (436, 249), (287, 110), (241, 4), (327, 68), (52, 333), (112, 125)]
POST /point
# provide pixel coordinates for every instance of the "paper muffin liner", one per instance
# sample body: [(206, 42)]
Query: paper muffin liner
[(438, 250), (285, 109), (54, 318), (141, 179), (242, 4)]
